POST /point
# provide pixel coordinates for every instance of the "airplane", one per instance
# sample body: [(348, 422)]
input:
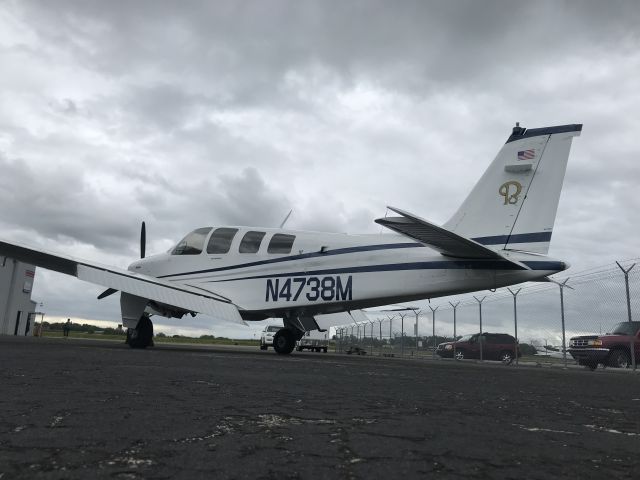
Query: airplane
[(499, 236)]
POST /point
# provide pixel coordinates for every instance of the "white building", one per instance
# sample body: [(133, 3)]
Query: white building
[(17, 311)]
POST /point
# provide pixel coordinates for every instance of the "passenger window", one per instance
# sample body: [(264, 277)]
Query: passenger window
[(281, 243), (251, 242), (220, 241), (192, 244)]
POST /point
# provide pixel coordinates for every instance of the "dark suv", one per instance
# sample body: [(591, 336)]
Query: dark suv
[(495, 346)]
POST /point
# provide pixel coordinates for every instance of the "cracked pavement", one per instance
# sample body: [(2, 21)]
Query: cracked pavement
[(77, 409)]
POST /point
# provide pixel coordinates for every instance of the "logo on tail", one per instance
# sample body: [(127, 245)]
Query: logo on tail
[(505, 191)]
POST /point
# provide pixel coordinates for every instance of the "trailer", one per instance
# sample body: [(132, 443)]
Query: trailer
[(314, 340)]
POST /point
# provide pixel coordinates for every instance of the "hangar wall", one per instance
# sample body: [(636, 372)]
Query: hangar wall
[(16, 307)]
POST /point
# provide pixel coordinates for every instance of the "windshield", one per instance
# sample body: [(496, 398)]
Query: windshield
[(466, 338), (193, 243), (273, 328), (626, 328)]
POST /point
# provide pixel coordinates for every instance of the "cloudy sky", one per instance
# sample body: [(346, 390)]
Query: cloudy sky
[(211, 113)]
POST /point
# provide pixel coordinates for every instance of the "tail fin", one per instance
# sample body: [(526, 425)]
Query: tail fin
[(514, 204)]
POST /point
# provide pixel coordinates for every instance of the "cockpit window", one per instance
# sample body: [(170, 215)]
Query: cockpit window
[(281, 243), (193, 243), (220, 241), (251, 242)]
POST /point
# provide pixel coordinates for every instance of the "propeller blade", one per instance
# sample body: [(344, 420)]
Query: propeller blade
[(106, 293), (143, 240)]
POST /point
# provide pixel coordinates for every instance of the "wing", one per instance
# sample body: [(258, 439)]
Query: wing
[(140, 285), (438, 238)]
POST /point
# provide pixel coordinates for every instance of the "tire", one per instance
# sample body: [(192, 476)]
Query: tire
[(284, 341), (590, 365), (325, 349), (460, 355), (619, 359), (142, 335), (298, 349), (263, 346), (506, 357)]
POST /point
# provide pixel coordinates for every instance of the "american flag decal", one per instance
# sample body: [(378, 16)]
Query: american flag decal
[(527, 154), (30, 273)]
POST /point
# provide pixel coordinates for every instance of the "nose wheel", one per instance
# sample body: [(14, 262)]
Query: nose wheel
[(142, 335)]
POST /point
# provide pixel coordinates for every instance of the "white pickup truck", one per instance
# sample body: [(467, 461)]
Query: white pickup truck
[(266, 338), (314, 340)]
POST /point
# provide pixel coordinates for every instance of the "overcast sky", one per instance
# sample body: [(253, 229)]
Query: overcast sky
[(189, 114)]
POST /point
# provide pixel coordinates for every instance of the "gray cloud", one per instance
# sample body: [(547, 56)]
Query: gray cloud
[(218, 113)]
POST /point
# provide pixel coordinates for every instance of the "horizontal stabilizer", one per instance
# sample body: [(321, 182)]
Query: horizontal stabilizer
[(144, 286), (438, 238)]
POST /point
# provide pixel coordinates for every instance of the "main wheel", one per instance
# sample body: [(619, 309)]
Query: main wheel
[(506, 357), (284, 341), (142, 335), (619, 359), (459, 354)]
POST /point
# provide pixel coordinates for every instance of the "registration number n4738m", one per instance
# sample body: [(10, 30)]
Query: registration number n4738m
[(310, 288)]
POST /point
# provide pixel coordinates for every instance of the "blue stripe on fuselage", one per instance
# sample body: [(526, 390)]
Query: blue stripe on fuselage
[(435, 265), (494, 240)]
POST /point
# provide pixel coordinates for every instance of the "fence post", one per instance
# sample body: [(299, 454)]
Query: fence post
[(632, 349), (455, 338), (402, 315), (480, 339), (417, 312), (564, 343), (433, 322), (515, 319), (371, 322)]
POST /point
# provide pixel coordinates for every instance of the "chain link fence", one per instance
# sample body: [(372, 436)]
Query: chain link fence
[(593, 302)]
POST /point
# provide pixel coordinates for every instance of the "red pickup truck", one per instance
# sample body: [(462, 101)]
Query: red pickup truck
[(612, 349)]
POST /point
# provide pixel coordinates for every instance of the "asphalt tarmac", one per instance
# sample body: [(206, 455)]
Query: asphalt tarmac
[(97, 409)]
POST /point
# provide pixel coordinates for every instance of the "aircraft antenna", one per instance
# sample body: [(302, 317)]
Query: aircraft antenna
[(286, 218)]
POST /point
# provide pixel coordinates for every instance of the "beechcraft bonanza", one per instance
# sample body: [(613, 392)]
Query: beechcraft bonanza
[(499, 236)]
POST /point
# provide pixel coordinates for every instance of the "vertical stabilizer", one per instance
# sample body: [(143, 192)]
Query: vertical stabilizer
[(514, 204)]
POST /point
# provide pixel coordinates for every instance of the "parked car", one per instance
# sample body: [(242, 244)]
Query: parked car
[(266, 338), (612, 349), (495, 346), (356, 350)]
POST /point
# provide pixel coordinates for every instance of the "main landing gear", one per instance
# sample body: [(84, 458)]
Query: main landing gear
[(142, 335), (284, 341)]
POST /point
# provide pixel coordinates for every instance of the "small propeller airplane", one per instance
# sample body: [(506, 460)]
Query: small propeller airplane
[(499, 236)]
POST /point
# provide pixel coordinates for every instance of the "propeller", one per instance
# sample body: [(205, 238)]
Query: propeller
[(143, 240), (143, 247)]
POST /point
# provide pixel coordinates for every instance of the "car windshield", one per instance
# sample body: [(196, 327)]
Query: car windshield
[(466, 338), (626, 328), (273, 328)]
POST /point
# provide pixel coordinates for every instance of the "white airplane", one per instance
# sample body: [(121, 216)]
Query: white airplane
[(499, 236)]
